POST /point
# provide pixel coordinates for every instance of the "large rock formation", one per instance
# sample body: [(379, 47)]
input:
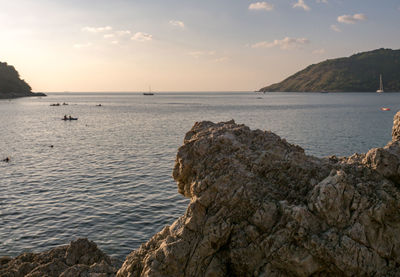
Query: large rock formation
[(80, 258), (261, 207)]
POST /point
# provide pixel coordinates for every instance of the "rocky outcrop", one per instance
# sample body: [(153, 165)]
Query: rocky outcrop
[(261, 207), (80, 258)]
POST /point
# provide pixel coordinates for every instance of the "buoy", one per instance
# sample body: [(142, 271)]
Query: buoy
[(385, 109)]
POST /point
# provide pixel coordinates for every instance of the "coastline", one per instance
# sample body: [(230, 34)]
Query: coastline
[(12, 95)]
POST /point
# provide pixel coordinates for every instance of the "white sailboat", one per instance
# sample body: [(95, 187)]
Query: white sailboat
[(380, 90)]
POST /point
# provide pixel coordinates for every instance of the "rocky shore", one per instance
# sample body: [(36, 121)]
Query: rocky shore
[(80, 258), (259, 207)]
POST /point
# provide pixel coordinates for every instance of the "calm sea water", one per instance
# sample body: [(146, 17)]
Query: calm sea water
[(108, 176)]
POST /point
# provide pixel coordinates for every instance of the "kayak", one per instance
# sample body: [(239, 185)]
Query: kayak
[(72, 118), (385, 109)]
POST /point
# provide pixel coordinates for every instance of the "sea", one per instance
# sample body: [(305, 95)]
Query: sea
[(107, 175)]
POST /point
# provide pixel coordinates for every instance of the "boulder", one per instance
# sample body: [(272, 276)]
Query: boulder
[(261, 207), (80, 258)]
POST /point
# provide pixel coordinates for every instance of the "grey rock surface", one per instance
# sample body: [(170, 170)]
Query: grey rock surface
[(80, 258), (261, 207)]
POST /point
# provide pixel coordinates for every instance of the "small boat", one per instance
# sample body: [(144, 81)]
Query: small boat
[(148, 93), (65, 104), (69, 118), (99, 105), (55, 105), (380, 90), (385, 109)]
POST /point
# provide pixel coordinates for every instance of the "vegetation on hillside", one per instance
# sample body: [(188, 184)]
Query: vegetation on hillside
[(357, 73), (11, 85)]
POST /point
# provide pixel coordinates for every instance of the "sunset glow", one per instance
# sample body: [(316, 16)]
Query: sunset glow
[(176, 45)]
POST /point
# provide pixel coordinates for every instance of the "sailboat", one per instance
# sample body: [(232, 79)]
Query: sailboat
[(380, 90), (148, 93)]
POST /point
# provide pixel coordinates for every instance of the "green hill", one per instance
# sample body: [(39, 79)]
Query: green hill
[(11, 85), (357, 73)]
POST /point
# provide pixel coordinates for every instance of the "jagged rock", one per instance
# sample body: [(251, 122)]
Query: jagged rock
[(80, 258), (261, 207)]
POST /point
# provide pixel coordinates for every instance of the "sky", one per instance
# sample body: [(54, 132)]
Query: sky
[(185, 45)]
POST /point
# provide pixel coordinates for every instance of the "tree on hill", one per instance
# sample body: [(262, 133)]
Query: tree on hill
[(357, 73)]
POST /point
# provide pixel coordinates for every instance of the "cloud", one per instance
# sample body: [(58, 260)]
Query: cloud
[(96, 29), (351, 19), (142, 37), (319, 51), (302, 5), (177, 23), (335, 28), (322, 1), (198, 54), (285, 44), (84, 45), (221, 59), (123, 33), (115, 42), (109, 36), (261, 6)]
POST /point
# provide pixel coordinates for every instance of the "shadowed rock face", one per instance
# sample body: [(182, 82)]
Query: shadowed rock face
[(80, 258), (261, 207)]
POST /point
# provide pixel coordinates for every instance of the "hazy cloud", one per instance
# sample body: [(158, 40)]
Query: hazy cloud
[(301, 4), (198, 54), (109, 36), (142, 37), (84, 45), (319, 51), (115, 42), (177, 23), (123, 33), (286, 43), (335, 28), (221, 59), (96, 29), (261, 6), (351, 19), (322, 1)]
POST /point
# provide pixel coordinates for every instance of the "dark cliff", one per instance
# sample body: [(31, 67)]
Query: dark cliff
[(357, 73), (11, 85)]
